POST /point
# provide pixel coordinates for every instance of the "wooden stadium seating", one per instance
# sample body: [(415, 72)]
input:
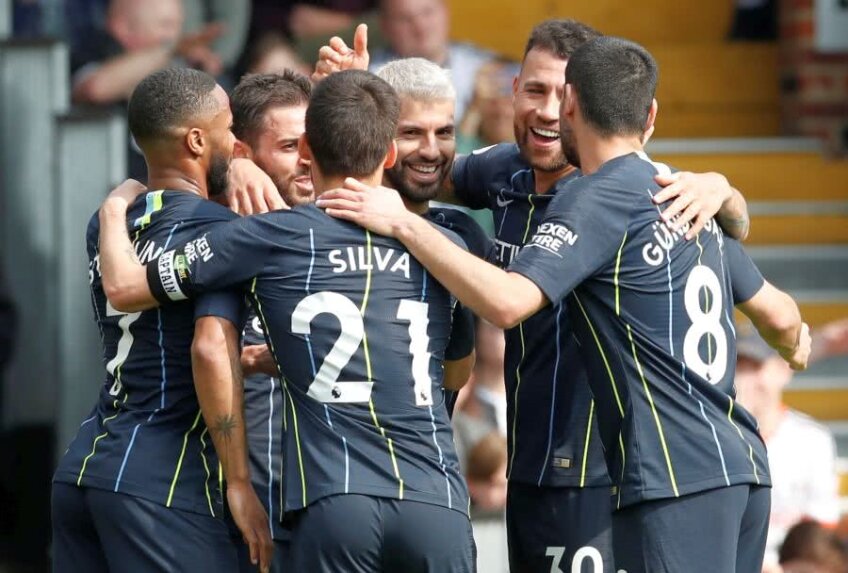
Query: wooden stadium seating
[(823, 404), (767, 176)]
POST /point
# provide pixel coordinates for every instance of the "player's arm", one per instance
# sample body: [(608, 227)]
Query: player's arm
[(777, 318), (501, 297), (697, 197), (124, 277), (774, 313), (220, 392), (459, 354)]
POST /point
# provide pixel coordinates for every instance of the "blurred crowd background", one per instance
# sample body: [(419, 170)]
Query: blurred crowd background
[(754, 89)]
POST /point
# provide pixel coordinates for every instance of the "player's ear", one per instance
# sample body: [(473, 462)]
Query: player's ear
[(241, 150), (515, 85), (649, 123), (391, 156), (195, 141), (303, 148), (569, 102)]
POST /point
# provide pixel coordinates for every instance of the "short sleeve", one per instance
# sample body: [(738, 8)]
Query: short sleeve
[(745, 278), (228, 255), (580, 234), (470, 175), (228, 305)]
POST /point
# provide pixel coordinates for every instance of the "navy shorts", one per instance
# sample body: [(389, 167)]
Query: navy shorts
[(96, 531), (559, 529), (717, 530), (363, 534), (281, 549)]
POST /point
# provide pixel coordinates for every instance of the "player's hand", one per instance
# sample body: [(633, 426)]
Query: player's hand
[(257, 359), (800, 355), (122, 196), (337, 56), (378, 209), (697, 198), (196, 48), (250, 190), (252, 521)]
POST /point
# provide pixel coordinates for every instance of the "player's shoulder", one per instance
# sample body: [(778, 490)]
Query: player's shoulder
[(464, 225), (504, 155)]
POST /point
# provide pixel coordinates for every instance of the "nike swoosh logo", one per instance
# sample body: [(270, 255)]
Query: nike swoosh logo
[(503, 202)]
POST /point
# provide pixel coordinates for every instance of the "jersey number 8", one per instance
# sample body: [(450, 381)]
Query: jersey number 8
[(705, 323)]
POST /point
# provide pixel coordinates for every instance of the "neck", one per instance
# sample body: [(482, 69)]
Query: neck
[(595, 150), (321, 183), (177, 179), (544, 180)]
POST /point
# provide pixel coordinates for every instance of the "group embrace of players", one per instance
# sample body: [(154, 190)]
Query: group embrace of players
[(614, 277)]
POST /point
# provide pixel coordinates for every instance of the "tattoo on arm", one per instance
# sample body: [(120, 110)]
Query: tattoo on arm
[(225, 424)]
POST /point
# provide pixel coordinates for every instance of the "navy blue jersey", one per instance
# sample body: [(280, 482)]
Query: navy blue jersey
[(263, 415), (653, 313), (463, 330), (552, 436), (146, 436), (745, 278), (358, 330)]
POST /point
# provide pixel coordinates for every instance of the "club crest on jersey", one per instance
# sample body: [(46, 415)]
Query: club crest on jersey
[(353, 259), (552, 237)]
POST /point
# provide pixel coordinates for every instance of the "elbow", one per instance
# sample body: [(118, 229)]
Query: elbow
[(118, 297), (208, 348), (507, 315)]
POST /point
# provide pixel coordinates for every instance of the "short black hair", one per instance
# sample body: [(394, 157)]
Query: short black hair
[(560, 37), (257, 93), (615, 81), (351, 122), (167, 99)]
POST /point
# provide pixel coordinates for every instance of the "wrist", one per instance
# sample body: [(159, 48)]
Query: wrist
[(404, 229)]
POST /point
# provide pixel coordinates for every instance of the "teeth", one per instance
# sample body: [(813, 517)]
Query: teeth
[(423, 168), (544, 132)]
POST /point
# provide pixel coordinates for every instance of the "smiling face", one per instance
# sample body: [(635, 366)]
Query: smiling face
[(275, 152), (426, 145), (538, 92)]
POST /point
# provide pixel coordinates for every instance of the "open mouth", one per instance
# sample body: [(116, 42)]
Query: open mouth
[(545, 136), (425, 173)]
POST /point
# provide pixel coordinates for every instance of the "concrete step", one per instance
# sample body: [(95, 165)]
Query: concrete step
[(820, 272)]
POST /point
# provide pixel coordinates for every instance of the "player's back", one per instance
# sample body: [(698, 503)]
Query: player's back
[(656, 320), (145, 436), (359, 330)]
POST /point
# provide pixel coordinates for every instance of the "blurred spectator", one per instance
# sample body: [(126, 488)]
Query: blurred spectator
[(419, 28), (810, 548), (235, 17), (139, 38), (302, 19), (801, 452), (830, 340), (488, 119), (272, 54), (486, 473)]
